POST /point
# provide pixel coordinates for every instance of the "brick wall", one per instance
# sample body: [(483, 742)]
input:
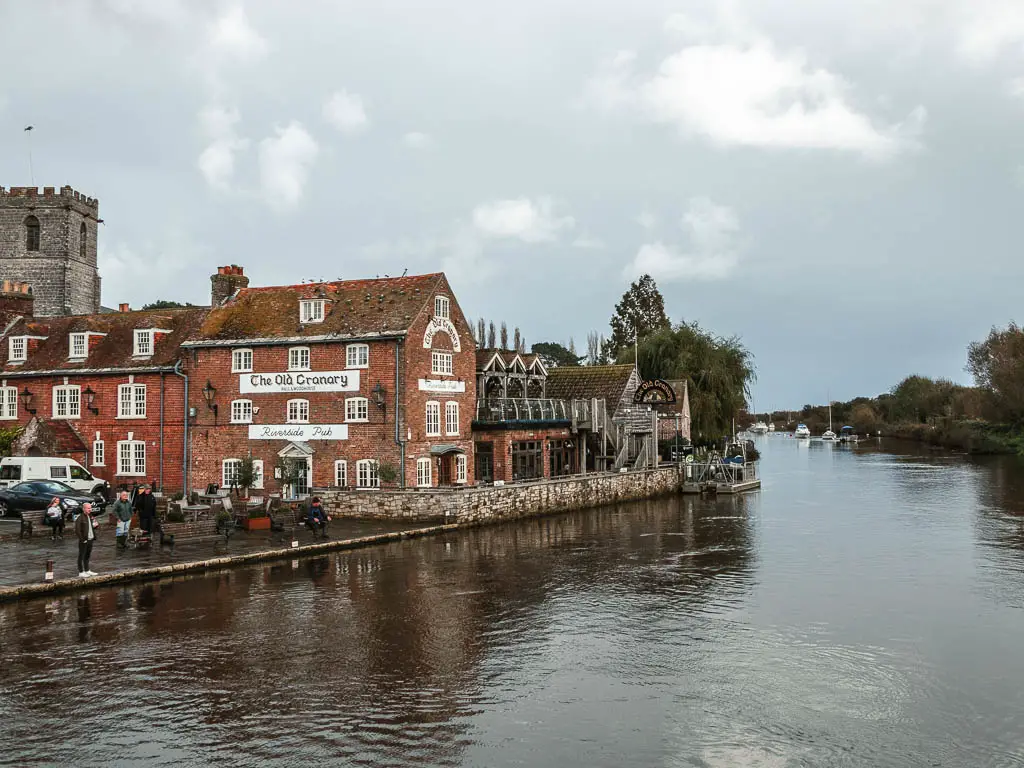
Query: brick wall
[(503, 439)]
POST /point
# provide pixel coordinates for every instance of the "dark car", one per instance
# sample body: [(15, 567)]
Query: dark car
[(35, 495)]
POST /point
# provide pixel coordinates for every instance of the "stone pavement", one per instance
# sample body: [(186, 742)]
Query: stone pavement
[(23, 561)]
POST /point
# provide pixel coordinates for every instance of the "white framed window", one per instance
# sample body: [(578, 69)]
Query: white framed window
[(357, 356), (67, 401), (257, 474), (423, 477), (131, 401), (241, 411), (8, 403), (460, 468), (298, 359), (229, 471), (441, 307), (99, 453), (341, 473), (366, 474), (18, 349), (241, 361), (143, 342), (298, 411), (451, 418), (78, 346), (311, 311), (433, 419), (441, 363), (131, 458), (357, 409)]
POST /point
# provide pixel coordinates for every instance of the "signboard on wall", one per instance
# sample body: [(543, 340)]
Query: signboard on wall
[(654, 392), (298, 381), (299, 433), (442, 325), (440, 385)]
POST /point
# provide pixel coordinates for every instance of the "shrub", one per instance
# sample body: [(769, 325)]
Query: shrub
[(176, 516)]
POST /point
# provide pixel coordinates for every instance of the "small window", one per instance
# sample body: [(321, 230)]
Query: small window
[(423, 479), (341, 473), (83, 237), (433, 419), (31, 233), (451, 418), (229, 471), (441, 363), (8, 403), (18, 347), (311, 311), (460, 469), (298, 359), (357, 356), (10, 472), (131, 458), (79, 346), (366, 474), (357, 409), (241, 361), (143, 342), (298, 411), (99, 453), (58, 472), (67, 402), (441, 306), (241, 411), (131, 401)]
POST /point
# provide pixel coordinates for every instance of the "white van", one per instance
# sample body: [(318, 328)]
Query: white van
[(17, 469)]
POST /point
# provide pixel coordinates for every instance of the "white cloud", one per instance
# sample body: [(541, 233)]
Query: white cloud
[(735, 87), (522, 218), (345, 111), (217, 160), (646, 219), (165, 13), (233, 37), (417, 140), (285, 160), (713, 247), (988, 28), (141, 272), (588, 242)]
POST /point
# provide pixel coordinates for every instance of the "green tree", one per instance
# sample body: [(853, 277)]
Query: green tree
[(640, 313), (165, 304), (553, 354), (997, 365)]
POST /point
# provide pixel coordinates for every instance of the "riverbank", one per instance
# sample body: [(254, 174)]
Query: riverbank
[(977, 438)]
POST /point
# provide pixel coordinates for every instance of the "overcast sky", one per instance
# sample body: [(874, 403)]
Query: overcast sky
[(838, 183)]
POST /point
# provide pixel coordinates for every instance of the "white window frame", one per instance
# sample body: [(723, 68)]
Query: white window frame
[(301, 414), (295, 358), (341, 473), (460, 468), (99, 453), (8, 403), (357, 356), (238, 357), (367, 470), (135, 401), (451, 416), (355, 405), (442, 363), (257, 474), (442, 307), (312, 311), (72, 397), (432, 420), (241, 411), (424, 473), (143, 342), (78, 339), (229, 469), (17, 349), (134, 452)]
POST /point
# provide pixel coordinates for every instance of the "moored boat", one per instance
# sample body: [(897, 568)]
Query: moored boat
[(802, 432)]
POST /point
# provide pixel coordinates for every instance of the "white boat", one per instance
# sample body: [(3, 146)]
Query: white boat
[(771, 426), (828, 435), (802, 432), (759, 428)]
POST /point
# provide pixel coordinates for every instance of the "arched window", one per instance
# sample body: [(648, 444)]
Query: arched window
[(31, 233), (83, 234)]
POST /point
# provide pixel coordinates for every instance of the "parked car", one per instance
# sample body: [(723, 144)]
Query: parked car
[(35, 496), (19, 469)]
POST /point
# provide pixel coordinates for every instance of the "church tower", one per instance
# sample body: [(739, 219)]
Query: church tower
[(48, 240)]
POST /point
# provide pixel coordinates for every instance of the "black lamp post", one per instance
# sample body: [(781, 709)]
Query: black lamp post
[(90, 400), (209, 392), (26, 400)]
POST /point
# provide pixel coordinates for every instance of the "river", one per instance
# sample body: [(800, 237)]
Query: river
[(866, 608)]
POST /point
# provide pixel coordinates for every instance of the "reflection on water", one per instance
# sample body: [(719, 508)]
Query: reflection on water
[(864, 609)]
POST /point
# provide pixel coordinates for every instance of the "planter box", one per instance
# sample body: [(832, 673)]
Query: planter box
[(256, 523)]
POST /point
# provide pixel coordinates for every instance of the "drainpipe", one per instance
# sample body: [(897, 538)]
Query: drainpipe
[(398, 426), (162, 381), (187, 464)]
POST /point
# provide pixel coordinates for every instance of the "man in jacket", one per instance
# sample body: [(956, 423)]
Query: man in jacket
[(316, 518), (123, 513), (145, 505), (85, 526)]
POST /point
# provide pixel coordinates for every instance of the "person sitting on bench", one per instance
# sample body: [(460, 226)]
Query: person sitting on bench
[(316, 518)]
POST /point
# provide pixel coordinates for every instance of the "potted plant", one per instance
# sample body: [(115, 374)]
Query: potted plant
[(386, 472), (257, 520), (246, 476)]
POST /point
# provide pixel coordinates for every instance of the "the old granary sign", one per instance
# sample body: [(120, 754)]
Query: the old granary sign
[(299, 433), (441, 325), (654, 392), (298, 381)]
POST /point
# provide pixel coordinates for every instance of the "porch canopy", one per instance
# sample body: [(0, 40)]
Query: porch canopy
[(443, 450)]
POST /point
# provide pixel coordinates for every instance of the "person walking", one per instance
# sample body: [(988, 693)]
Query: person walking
[(54, 517), (145, 505), (316, 518), (85, 527), (123, 513)]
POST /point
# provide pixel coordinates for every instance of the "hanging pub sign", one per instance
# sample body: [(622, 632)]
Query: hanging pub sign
[(654, 392), (299, 381)]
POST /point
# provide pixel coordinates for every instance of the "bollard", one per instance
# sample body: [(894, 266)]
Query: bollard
[(48, 576)]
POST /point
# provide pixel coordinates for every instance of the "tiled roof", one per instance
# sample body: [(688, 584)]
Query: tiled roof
[(114, 350), (582, 382), (354, 308)]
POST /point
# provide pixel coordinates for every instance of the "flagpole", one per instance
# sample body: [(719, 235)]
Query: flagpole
[(31, 170)]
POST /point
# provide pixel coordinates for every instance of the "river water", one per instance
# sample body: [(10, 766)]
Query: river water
[(866, 608)]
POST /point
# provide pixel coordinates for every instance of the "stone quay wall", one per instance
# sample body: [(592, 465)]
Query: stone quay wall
[(496, 503)]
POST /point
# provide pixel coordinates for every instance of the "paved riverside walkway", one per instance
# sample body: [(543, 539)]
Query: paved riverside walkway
[(23, 561)]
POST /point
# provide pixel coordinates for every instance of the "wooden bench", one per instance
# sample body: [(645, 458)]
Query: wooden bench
[(176, 533)]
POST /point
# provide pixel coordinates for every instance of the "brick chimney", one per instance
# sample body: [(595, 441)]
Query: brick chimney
[(124, 308), (15, 300), (226, 283)]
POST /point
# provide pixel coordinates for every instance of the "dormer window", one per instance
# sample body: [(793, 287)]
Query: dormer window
[(143, 342), (18, 347), (78, 346), (311, 311), (441, 306)]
